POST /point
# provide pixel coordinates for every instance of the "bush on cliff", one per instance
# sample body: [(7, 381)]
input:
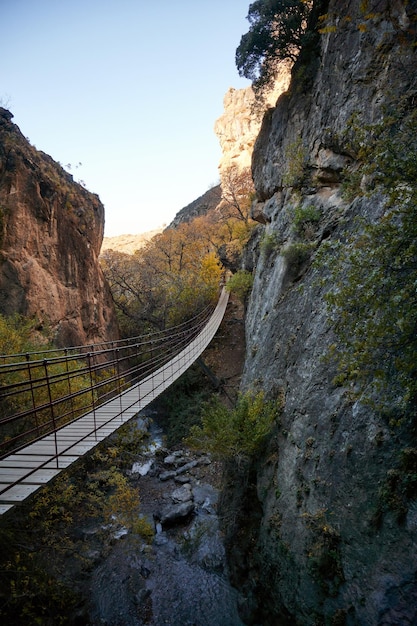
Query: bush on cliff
[(373, 299), (240, 284), (238, 432)]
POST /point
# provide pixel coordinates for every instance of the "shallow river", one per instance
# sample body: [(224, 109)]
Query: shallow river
[(181, 578)]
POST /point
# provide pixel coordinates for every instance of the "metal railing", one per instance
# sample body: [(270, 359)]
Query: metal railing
[(40, 392)]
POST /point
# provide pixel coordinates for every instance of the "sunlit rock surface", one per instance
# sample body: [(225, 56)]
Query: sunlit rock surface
[(51, 230), (238, 127)]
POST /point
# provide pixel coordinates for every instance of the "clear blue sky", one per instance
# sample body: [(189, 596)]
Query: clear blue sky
[(129, 88)]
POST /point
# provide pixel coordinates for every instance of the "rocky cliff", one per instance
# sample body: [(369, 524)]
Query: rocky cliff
[(128, 244), (238, 127), (305, 544), (51, 232), (199, 207)]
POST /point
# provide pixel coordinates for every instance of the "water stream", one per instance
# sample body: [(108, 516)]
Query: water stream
[(180, 579)]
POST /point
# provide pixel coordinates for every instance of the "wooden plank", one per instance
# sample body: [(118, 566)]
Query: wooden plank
[(48, 447), (25, 475), (80, 448), (5, 507), (23, 455), (41, 476), (18, 493), (63, 462), (11, 475), (63, 441), (9, 462), (28, 463), (41, 448)]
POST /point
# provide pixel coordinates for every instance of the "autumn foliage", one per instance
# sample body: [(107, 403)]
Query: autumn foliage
[(179, 271)]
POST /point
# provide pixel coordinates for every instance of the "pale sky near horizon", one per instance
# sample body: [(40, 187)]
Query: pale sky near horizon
[(129, 89)]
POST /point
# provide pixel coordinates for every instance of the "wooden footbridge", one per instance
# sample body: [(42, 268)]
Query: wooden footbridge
[(58, 405)]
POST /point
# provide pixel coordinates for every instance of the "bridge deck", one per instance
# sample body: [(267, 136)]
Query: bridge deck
[(25, 471)]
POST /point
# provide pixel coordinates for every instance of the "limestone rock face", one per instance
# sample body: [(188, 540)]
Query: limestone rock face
[(199, 207), (310, 548), (238, 127), (51, 232), (128, 244)]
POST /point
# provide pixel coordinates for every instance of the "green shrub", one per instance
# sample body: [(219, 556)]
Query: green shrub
[(269, 243), (324, 555), (278, 31), (240, 284), (237, 432), (122, 506), (306, 219), (296, 158), (296, 254), (180, 407), (399, 490), (373, 274)]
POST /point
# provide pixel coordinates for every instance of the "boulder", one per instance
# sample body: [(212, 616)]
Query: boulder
[(177, 513), (182, 494)]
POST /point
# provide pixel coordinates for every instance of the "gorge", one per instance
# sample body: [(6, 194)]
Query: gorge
[(320, 528)]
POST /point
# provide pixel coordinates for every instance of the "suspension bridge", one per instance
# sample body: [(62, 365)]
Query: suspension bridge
[(58, 405)]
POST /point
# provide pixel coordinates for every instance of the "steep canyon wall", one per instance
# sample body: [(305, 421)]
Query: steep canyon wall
[(304, 543), (51, 232), (238, 127)]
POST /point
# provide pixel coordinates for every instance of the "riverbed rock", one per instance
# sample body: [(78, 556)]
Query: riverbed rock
[(167, 475), (177, 513), (182, 480), (187, 467), (176, 458), (141, 469), (182, 494), (206, 498), (181, 577), (180, 470)]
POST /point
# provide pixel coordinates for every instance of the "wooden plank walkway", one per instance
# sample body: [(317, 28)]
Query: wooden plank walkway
[(23, 472)]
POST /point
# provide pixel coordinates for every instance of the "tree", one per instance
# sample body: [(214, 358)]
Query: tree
[(179, 259), (278, 30), (241, 284), (137, 302), (164, 283), (21, 340), (228, 228), (237, 193)]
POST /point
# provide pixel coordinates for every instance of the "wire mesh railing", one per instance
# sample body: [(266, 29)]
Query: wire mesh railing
[(40, 392)]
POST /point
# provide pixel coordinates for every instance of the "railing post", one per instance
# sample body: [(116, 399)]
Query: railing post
[(69, 384), (115, 372), (32, 393), (138, 375), (48, 384), (92, 393), (119, 391)]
